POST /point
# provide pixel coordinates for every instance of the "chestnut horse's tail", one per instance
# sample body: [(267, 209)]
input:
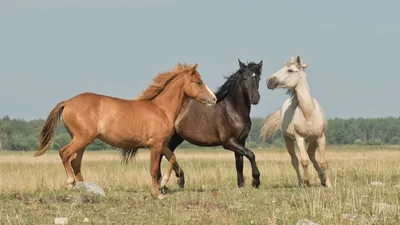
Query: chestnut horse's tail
[(270, 125), (47, 132)]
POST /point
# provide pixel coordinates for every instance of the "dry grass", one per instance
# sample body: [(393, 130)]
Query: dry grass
[(32, 190)]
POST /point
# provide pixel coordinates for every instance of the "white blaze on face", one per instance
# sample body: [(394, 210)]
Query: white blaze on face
[(210, 92), (254, 74)]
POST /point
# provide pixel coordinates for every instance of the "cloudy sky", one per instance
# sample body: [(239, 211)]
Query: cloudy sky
[(53, 50)]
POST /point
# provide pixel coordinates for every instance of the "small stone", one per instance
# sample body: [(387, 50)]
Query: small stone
[(306, 222), (86, 220), (61, 220), (90, 187), (377, 184), (383, 207), (347, 216)]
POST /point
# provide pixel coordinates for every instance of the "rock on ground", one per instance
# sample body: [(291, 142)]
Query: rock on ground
[(61, 221), (306, 222), (383, 208), (377, 184), (90, 187)]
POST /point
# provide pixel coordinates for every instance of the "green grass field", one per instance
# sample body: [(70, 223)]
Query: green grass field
[(33, 191)]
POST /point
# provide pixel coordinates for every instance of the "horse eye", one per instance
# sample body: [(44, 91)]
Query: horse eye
[(199, 83), (290, 71)]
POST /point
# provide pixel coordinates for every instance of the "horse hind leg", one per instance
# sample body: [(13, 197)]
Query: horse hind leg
[(76, 165), (69, 153), (312, 147)]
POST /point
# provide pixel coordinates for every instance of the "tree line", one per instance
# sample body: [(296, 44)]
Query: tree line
[(19, 134)]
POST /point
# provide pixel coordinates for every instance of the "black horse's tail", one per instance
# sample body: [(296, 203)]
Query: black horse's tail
[(127, 154)]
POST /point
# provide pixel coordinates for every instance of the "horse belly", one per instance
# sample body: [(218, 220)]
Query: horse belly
[(119, 140), (201, 135), (203, 140), (134, 132), (309, 130)]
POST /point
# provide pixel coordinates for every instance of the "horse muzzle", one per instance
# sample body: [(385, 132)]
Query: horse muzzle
[(271, 83), (255, 99), (210, 102)]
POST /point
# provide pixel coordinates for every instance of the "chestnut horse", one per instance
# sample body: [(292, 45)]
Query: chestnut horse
[(146, 121), (228, 123)]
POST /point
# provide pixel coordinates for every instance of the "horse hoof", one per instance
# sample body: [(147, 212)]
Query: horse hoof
[(255, 183), (241, 185), (181, 182), (326, 185), (164, 190)]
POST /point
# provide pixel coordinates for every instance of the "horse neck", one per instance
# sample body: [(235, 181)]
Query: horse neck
[(171, 98), (240, 101), (304, 98)]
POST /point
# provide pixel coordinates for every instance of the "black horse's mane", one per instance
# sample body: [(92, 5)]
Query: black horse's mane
[(229, 84)]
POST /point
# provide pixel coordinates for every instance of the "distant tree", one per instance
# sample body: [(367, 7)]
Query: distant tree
[(5, 135), (18, 134)]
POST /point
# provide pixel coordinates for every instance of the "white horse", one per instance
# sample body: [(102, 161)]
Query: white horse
[(300, 118)]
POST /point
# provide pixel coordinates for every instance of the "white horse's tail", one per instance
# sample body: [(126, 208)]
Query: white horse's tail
[(270, 125)]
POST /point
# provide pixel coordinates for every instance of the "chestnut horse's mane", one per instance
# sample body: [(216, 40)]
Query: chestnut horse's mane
[(161, 81)]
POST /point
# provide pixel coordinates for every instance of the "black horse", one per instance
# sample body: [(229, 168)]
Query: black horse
[(228, 123)]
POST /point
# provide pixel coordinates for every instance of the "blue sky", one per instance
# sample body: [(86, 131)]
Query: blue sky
[(53, 50)]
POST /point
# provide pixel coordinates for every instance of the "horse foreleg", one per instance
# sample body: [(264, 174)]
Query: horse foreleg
[(304, 158), (321, 146), (178, 172), (239, 167), (173, 143), (234, 146), (295, 162), (172, 160), (155, 154)]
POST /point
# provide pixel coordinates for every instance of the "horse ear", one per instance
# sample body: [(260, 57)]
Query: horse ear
[(241, 65), (260, 64), (194, 68), (304, 65), (298, 60)]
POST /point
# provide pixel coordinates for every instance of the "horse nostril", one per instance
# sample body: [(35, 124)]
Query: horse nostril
[(270, 80)]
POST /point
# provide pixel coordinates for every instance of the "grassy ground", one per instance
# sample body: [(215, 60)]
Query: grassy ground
[(32, 190)]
